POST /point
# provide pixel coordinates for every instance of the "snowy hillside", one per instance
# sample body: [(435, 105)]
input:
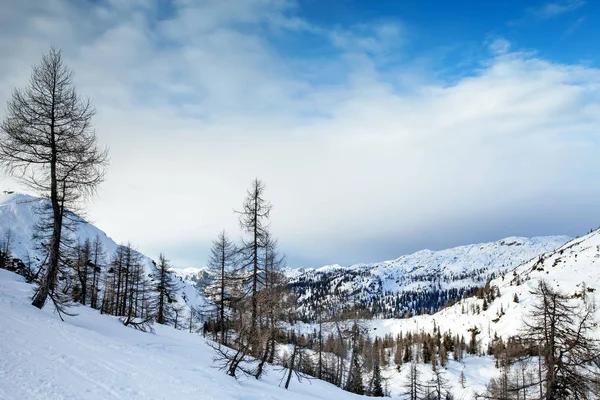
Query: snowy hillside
[(95, 357), (497, 311), (193, 275), (423, 281), (573, 268), (18, 216)]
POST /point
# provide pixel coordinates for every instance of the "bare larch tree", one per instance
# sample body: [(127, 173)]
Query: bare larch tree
[(254, 220), (47, 142), (165, 288), (222, 263), (563, 331), (271, 301), (98, 261)]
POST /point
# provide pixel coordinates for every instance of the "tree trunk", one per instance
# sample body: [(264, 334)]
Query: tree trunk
[(320, 370), (49, 278), (291, 370), (222, 305), (255, 266), (263, 360)]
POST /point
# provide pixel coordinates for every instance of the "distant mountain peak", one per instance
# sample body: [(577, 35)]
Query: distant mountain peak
[(423, 281)]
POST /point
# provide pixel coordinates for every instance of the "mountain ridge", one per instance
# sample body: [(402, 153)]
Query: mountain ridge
[(573, 268), (423, 281)]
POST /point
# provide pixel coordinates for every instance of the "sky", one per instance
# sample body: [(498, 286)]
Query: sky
[(379, 127)]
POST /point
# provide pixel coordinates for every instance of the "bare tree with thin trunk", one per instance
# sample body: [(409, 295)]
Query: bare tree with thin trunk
[(254, 220), (563, 329), (222, 263), (5, 249), (165, 291), (98, 263), (272, 301), (292, 364), (47, 142), (412, 384), (559, 356), (82, 265), (237, 357)]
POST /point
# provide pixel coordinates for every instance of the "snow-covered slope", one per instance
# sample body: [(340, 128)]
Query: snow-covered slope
[(423, 281), (192, 275), (95, 357), (573, 268), (18, 214)]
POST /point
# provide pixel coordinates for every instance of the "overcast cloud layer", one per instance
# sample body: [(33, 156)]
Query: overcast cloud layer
[(365, 155)]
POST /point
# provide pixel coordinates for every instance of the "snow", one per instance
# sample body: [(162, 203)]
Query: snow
[(478, 372), (572, 268), (18, 212), (462, 268), (94, 357), (189, 272)]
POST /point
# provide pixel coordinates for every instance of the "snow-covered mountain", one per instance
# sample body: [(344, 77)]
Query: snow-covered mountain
[(573, 268), (499, 311), (193, 275), (18, 218), (421, 282)]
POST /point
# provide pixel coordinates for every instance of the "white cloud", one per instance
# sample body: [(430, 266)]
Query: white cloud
[(499, 46), (197, 105), (368, 38), (556, 8)]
